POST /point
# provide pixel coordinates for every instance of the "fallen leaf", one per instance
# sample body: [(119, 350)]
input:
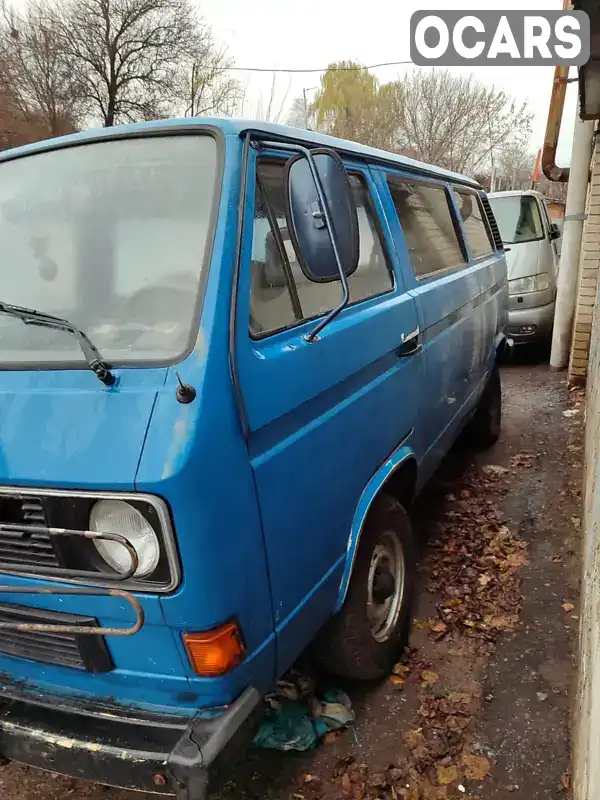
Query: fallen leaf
[(397, 680), (452, 603), (401, 669), (568, 607), (500, 623), (570, 412), (484, 579), (469, 623), (429, 677), (437, 626), (346, 783), (542, 696), (476, 767), (460, 697), (495, 469), (566, 780), (446, 775), (516, 559), (414, 739), (359, 791)]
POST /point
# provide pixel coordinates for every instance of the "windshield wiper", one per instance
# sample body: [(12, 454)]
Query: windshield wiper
[(30, 316)]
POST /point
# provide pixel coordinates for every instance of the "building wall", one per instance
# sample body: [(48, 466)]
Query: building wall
[(556, 209), (588, 278), (586, 717)]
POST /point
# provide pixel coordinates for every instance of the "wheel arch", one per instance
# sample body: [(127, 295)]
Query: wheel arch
[(397, 477)]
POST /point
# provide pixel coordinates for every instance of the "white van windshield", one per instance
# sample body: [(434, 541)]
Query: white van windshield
[(518, 217), (111, 236)]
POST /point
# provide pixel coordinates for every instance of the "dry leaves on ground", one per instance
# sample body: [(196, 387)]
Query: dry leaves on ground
[(473, 564), (476, 767)]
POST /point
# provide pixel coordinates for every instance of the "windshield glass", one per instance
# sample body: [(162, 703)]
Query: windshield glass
[(111, 236), (518, 217)]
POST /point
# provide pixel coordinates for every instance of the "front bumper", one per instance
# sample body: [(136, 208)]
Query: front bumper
[(166, 756), (531, 324)]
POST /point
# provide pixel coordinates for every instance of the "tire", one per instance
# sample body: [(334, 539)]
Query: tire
[(484, 429), (359, 645)]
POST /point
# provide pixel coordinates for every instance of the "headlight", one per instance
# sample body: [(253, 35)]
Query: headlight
[(534, 283), (117, 516)]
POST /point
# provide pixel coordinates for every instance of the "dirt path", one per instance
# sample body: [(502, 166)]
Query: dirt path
[(481, 707)]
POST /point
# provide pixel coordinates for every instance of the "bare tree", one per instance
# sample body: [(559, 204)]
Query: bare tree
[(302, 114), (269, 109), (35, 73), (140, 59), (211, 89), (458, 122), (515, 165)]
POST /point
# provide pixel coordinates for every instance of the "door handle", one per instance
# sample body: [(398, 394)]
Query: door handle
[(410, 344), (411, 348)]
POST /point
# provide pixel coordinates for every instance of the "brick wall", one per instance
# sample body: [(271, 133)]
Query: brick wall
[(588, 278), (586, 716)]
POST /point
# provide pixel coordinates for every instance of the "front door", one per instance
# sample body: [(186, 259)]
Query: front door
[(322, 417)]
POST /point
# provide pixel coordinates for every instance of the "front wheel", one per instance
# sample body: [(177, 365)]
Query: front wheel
[(368, 635)]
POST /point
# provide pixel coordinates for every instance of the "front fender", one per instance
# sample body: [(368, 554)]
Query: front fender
[(399, 457)]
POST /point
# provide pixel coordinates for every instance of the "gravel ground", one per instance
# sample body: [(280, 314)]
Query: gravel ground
[(520, 686)]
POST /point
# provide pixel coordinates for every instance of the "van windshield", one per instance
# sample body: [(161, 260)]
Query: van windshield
[(112, 236), (518, 217)]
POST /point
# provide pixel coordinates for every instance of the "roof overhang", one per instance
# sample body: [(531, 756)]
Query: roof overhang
[(589, 74)]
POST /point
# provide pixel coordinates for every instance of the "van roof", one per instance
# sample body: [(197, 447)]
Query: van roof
[(237, 127), (517, 193)]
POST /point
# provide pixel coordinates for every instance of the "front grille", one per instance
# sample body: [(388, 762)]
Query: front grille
[(84, 652), (493, 224), (20, 549)]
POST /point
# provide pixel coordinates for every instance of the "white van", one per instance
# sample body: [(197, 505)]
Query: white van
[(532, 256)]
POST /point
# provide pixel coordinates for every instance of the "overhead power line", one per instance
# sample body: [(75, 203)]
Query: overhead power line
[(324, 69)]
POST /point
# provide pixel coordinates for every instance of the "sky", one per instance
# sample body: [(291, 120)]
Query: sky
[(309, 34)]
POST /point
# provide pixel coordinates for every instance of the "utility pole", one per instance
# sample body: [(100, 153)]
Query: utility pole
[(566, 289), (304, 91)]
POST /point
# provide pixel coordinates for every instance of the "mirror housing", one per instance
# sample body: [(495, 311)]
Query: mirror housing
[(326, 252), (554, 231)]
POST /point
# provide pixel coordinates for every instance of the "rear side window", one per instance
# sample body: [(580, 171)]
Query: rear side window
[(473, 219), (280, 295), (426, 219)]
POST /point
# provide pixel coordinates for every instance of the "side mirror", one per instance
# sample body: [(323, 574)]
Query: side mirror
[(310, 183), (554, 231)]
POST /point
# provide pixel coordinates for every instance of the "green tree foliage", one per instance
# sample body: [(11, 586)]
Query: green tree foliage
[(352, 104), (453, 121)]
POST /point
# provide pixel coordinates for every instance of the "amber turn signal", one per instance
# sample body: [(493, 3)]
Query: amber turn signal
[(213, 653)]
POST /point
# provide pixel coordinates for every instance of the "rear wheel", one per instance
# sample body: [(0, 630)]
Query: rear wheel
[(484, 429), (366, 638)]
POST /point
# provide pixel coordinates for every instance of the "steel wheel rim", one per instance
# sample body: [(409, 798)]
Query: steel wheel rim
[(387, 560)]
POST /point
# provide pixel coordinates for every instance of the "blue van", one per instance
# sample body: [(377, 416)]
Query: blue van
[(232, 354)]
